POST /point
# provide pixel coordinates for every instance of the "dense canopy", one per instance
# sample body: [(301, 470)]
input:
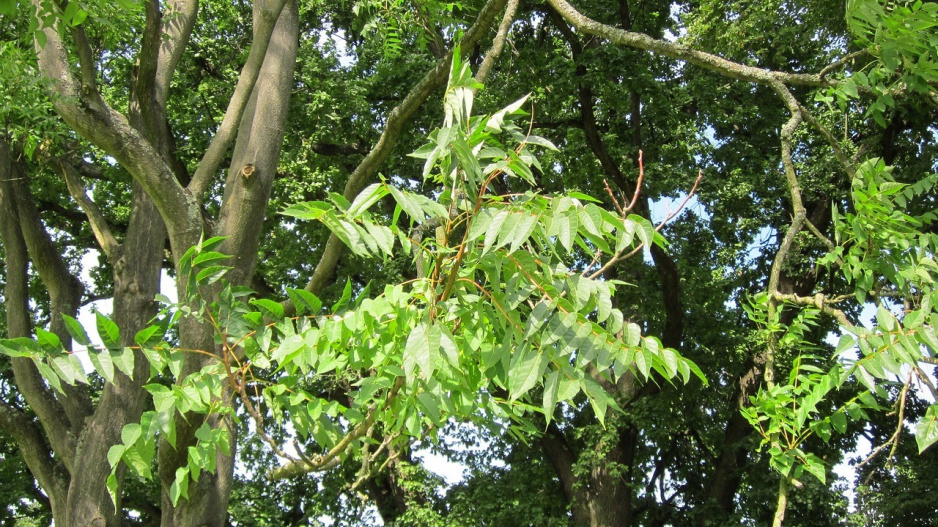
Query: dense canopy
[(624, 263)]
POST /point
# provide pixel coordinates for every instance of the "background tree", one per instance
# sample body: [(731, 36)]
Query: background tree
[(178, 121)]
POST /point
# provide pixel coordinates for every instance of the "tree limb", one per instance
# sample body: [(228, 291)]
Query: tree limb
[(102, 231), (498, 43), (40, 399), (94, 119), (227, 132), (51, 475), (681, 52), (178, 20)]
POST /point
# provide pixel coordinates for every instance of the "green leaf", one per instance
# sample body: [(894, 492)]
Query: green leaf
[(7, 6), (211, 274), (101, 360), (149, 335), (308, 210), (926, 431), (131, 433), (164, 399), (108, 331), (68, 368), (180, 486), (112, 485), (421, 350), (288, 349), (48, 341), (551, 385), (76, 330), (366, 198), (410, 206), (48, 374), (124, 361), (305, 301), (208, 257), (815, 466), (839, 421), (527, 367), (598, 397), (79, 17), (540, 141), (271, 309)]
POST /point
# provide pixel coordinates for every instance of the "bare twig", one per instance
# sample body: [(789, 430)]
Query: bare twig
[(638, 183), (894, 439), (622, 255)]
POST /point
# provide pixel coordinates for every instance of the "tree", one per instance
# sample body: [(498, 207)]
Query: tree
[(818, 135)]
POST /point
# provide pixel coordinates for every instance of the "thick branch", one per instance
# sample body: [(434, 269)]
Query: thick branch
[(178, 21), (498, 43), (50, 474), (88, 71), (16, 299), (562, 458), (65, 290), (264, 23), (94, 119), (819, 301), (681, 52)]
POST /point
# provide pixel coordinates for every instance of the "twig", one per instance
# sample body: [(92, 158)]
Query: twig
[(621, 255), (638, 183), (840, 62), (894, 440)]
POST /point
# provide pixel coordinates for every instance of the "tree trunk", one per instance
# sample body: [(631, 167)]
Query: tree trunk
[(247, 191)]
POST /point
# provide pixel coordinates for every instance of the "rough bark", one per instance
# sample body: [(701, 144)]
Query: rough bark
[(47, 406), (562, 458), (48, 471), (259, 139), (82, 108)]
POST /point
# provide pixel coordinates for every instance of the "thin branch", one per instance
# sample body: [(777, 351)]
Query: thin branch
[(894, 439), (622, 255), (924, 379), (638, 184), (820, 236), (99, 225), (841, 61), (847, 164), (331, 458)]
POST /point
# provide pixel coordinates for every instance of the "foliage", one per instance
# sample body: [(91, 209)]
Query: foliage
[(901, 38), (469, 286), (403, 363)]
